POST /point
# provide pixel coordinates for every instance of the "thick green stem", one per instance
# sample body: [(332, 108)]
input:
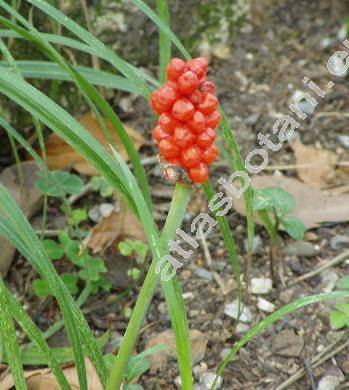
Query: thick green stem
[(174, 220)]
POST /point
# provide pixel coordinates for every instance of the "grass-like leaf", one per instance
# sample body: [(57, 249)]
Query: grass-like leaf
[(28, 326), (276, 316), (93, 42), (9, 339), (164, 41), (45, 70)]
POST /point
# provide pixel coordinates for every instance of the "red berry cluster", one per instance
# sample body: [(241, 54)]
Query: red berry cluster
[(188, 116)]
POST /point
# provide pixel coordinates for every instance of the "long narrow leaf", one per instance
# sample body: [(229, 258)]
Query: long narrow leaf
[(276, 316), (92, 41), (35, 335), (164, 41), (77, 45), (9, 339), (45, 70)]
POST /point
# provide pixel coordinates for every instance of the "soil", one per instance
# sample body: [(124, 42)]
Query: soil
[(282, 42)]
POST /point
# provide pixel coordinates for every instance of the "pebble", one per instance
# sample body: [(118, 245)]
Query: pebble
[(207, 380), (261, 285), (188, 295), (338, 242), (203, 273), (301, 248), (199, 369), (231, 310), (303, 104), (224, 353), (328, 280), (257, 245), (265, 305), (178, 382), (103, 210), (241, 328), (331, 381), (344, 140)]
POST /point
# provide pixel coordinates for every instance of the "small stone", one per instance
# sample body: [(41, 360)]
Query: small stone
[(199, 369), (286, 295), (203, 273), (162, 308), (106, 209), (331, 380), (339, 242), (261, 285), (344, 140), (257, 245), (301, 248), (328, 280), (231, 310), (188, 295), (178, 382), (287, 343), (207, 379), (94, 214), (299, 99), (225, 352), (241, 328), (265, 305), (193, 313)]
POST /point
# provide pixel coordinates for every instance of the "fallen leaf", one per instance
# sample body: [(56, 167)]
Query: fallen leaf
[(60, 155), (114, 228), (159, 359), (323, 164), (287, 343), (44, 379), (29, 199), (313, 206)]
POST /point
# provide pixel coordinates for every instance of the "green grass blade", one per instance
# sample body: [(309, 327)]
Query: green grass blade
[(15, 227), (162, 26), (28, 326), (9, 339), (45, 70), (164, 42), (276, 316), (94, 99), (92, 41), (227, 237), (66, 127), (77, 45)]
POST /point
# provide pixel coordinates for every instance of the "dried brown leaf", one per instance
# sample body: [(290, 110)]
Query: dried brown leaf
[(114, 228), (323, 162), (60, 155), (43, 379), (313, 206)]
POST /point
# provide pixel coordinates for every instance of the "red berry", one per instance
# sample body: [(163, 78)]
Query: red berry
[(196, 97), (207, 86), (209, 104), (183, 136), (210, 154), (168, 149), (206, 138), (159, 134), (156, 106), (198, 122), (191, 156), (166, 96), (167, 122), (199, 174), (213, 119), (188, 82), (175, 161), (198, 66), (175, 68), (183, 109)]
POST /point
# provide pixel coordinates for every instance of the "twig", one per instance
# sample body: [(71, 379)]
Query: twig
[(310, 374), (337, 260), (316, 361)]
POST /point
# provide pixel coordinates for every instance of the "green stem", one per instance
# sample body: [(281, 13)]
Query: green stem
[(174, 220)]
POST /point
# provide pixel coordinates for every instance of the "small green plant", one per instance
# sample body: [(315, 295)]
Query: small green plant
[(339, 318), (274, 204), (139, 250), (91, 268), (100, 184)]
